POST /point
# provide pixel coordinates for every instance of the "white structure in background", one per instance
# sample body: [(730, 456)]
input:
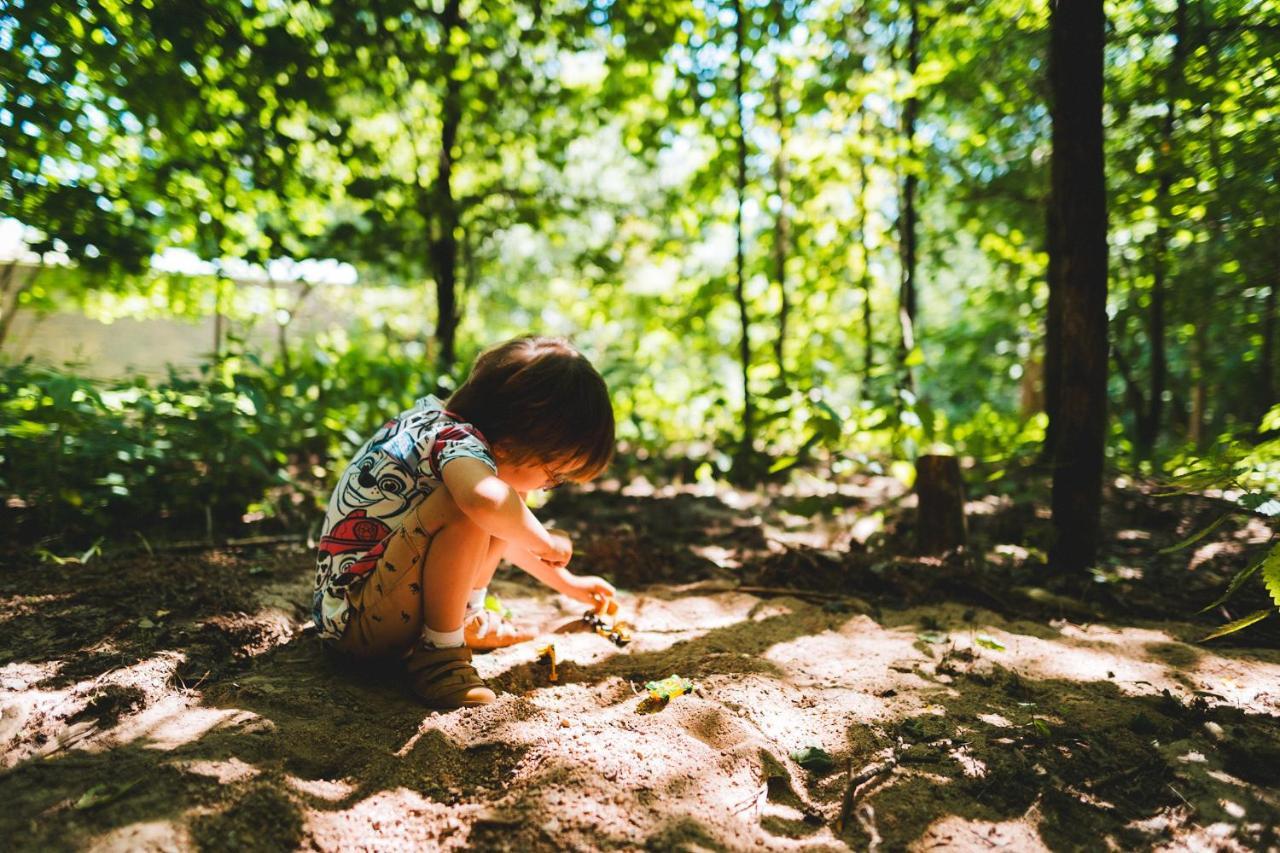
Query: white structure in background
[(129, 345)]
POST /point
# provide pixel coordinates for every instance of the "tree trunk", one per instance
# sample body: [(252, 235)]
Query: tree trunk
[(1078, 242), (940, 521), (1267, 367), (907, 216), (1052, 346), (1149, 421), (282, 325), (740, 293), (444, 242), (218, 314), (868, 362), (780, 229), (1199, 389), (12, 286)]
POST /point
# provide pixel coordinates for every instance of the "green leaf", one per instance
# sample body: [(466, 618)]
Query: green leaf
[(989, 642), (814, 758), (1232, 627), (1236, 582), (1271, 575), (1196, 537)]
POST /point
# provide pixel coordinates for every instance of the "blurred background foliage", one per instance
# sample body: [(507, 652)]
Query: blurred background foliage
[(479, 170)]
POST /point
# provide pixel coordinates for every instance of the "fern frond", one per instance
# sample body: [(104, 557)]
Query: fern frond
[(1196, 537), (1232, 627), (1236, 582), (1271, 574)]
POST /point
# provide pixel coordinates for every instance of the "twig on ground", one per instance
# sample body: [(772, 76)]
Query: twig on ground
[(857, 779)]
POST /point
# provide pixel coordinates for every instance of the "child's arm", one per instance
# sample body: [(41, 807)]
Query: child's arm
[(499, 509), (588, 589)]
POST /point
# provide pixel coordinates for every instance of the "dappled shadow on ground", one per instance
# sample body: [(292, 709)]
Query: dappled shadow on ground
[(225, 725)]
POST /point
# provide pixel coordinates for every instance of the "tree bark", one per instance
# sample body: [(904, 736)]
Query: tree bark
[(1267, 367), (11, 289), (940, 521), (740, 294), (444, 242), (1052, 346), (907, 216), (1078, 243), (781, 228), (1199, 389), (1149, 421), (868, 361)]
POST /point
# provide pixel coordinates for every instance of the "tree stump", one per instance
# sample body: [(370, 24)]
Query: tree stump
[(940, 522)]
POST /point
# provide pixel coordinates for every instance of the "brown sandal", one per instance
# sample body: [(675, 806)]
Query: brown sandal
[(445, 678), (485, 631)]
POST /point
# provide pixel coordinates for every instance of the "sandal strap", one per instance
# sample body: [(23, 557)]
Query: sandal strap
[(452, 668)]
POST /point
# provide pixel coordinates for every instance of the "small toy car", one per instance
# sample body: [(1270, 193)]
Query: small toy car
[(668, 688), (603, 620)]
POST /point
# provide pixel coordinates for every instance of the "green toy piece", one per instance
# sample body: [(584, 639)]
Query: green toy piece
[(669, 688), (814, 758), (494, 604)]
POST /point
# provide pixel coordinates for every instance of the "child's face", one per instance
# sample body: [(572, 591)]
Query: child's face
[(531, 474)]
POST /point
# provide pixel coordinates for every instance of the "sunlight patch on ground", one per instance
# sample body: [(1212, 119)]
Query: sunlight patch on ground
[(857, 656), (399, 819), (29, 605), (224, 772), (1241, 683), (145, 835), (329, 790), (176, 721), (1106, 654), (958, 833)]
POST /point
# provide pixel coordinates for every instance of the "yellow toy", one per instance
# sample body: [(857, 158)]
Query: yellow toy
[(605, 622)]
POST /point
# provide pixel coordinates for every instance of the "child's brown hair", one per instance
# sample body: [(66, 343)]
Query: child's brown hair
[(539, 398)]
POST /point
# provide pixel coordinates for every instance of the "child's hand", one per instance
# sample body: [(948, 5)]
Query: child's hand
[(559, 552), (589, 589)]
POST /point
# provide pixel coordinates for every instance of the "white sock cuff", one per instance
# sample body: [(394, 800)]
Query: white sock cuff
[(442, 639), (476, 600)]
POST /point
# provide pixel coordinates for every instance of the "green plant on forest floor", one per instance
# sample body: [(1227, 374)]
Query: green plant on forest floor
[(1250, 477)]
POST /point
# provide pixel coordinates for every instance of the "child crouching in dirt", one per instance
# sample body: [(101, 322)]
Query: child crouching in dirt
[(436, 498)]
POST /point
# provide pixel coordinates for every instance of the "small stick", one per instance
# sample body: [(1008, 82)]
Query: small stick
[(865, 775)]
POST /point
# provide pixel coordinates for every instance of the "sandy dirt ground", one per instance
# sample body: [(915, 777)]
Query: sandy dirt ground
[(180, 701)]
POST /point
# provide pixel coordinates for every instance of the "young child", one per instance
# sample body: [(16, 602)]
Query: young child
[(427, 508)]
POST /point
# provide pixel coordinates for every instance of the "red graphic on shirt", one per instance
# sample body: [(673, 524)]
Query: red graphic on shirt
[(355, 533)]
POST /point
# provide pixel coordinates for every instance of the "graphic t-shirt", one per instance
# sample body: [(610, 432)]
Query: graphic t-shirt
[(386, 481)]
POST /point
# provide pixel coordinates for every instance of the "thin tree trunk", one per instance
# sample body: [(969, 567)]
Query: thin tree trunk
[(11, 290), (1267, 366), (218, 322), (1052, 345), (282, 339), (1199, 388), (1148, 424), (868, 353), (444, 243), (1079, 242), (740, 295), (907, 216), (781, 227)]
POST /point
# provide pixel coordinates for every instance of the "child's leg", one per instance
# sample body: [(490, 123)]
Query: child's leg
[(456, 562), (426, 573), (489, 565), (485, 630)]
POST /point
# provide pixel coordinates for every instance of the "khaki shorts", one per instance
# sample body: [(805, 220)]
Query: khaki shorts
[(386, 608)]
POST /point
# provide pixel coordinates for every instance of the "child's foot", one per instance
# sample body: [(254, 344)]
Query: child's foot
[(485, 631), (445, 678)]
